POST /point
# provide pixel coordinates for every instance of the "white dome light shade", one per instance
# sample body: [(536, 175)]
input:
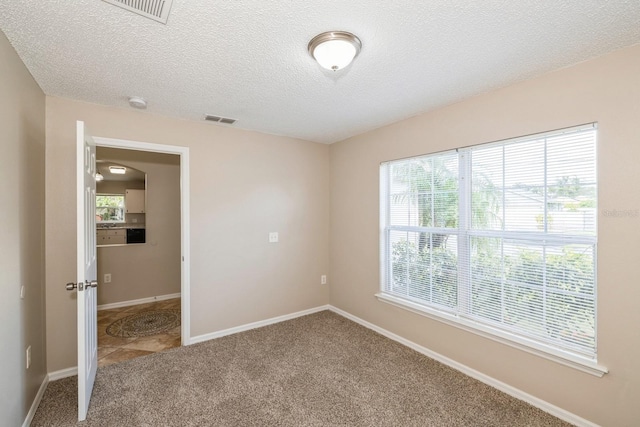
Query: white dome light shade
[(334, 50), (334, 54)]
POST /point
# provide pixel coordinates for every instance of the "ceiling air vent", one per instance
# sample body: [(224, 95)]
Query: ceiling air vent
[(218, 119), (158, 10)]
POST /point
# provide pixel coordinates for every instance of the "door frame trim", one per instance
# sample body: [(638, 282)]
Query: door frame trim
[(185, 270)]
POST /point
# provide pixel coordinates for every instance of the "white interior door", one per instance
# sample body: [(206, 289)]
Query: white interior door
[(87, 269)]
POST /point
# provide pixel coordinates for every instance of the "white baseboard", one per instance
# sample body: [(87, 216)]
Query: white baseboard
[(62, 373), (506, 388), (36, 402), (254, 325), (70, 372), (138, 301)]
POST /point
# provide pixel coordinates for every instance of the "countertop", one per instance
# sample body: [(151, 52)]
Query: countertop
[(122, 227)]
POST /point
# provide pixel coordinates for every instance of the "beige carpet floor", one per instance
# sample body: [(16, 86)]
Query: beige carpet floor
[(317, 370)]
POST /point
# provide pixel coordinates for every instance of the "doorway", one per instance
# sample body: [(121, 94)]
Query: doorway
[(177, 304), (132, 331)]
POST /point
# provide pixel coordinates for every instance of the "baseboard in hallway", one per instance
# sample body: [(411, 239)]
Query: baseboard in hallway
[(138, 301)]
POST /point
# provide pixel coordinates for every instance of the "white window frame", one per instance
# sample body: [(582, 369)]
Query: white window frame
[(457, 319), (123, 209)]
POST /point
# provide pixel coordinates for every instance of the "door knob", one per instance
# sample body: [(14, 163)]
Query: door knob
[(71, 286), (92, 284)]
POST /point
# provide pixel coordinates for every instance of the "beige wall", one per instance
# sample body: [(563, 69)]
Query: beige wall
[(605, 90), (151, 269), (22, 151), (243, 185)]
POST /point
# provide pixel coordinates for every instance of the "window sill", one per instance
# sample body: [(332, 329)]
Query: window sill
[(573, 361)]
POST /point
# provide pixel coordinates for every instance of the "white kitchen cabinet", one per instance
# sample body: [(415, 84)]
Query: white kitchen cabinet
[(134, 201), (111, 237)]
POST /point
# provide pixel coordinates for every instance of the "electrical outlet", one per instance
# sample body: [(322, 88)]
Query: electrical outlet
[(107, 278), (273, 237), (28, 357), (323, 280)]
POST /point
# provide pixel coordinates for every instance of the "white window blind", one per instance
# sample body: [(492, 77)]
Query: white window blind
[(502, 236)]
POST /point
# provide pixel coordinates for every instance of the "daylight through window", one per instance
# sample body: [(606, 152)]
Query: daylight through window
[(110, 208), (500, 236)]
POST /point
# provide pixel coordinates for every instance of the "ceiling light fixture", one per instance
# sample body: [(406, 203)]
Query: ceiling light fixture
[(334, 50), (99, 176), (118, 170), (137, 102)]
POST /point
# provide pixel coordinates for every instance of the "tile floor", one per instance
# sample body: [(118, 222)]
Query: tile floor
[(114, 350)]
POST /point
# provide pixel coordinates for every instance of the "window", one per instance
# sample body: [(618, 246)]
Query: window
[(498, 238), (110, 208)]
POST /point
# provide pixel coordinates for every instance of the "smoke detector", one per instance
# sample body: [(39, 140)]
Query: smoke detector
[(158, 10), (137, 102)]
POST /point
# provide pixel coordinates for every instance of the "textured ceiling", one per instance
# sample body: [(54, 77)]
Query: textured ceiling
[(248, 60)]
